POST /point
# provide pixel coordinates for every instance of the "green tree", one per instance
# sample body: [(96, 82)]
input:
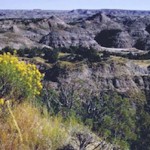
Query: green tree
[(51, 55), (118, 119), (112, 116), (143, 130)]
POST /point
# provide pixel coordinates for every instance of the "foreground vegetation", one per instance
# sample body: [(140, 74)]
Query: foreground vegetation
[(22, 124), (37, 131)]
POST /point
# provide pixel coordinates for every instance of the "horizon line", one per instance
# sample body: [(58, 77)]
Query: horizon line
[(75, 9)]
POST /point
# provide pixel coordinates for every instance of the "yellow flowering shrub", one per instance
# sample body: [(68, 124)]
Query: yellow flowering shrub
[(1, 101), (18, 79)]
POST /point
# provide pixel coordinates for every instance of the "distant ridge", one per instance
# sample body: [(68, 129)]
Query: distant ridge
[(111, 28), (38, 13)]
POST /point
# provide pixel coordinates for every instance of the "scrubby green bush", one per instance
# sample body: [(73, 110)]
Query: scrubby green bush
[(51, 55), (7, 49), (142, 129), (91, 54), (109, 115)]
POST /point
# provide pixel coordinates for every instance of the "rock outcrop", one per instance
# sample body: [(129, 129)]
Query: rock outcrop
[(68, 37), (86, 28), (119, 75), (88, 141)]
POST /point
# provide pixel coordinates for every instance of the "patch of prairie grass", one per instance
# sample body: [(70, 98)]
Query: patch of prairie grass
[(62, 54), (38, 131), (142, 63)]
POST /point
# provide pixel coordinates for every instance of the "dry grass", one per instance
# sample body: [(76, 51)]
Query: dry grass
[(119, 59), (39, 59), (142, 63), (67, 64), (38, 132), (60, 55)]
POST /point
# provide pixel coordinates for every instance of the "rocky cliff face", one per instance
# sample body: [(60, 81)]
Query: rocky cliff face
[(126, 77)]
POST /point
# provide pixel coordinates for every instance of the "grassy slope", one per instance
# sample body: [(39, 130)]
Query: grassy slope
[(38, 131)]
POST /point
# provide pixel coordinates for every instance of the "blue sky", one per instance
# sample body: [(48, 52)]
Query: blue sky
[(75, 4)]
